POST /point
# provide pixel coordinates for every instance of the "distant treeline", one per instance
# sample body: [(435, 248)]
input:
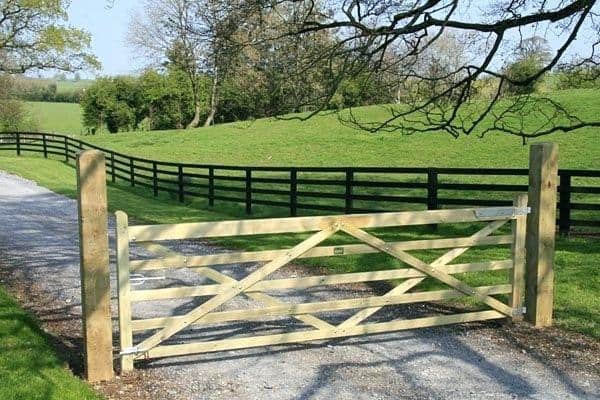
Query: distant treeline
[(31, 89), (164, 100)]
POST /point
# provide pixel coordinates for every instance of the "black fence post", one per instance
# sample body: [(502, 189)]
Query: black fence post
[(248, 191), (293, 192), (211, 186), (131, 172), (564, 205), (432, 192), (45, 145), (180, 182), (18, 144), (432, 189), (348, 194), (154, 178), (113, 177), (66, 149)]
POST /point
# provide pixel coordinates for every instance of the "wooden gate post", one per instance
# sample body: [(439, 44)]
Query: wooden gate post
[(541, 231), (95, 275)]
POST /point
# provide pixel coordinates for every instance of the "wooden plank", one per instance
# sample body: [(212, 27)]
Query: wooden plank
[(236, 289), (517, 276), (541, 229), (312, 281), (124, 290), (323, 251), (144, 233), (426, 268), (317, 307), (95, 273), (297, 337), (409, 284)]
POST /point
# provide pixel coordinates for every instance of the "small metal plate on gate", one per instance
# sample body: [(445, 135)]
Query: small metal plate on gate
[(498, 212), (338, 251), (494, 212)]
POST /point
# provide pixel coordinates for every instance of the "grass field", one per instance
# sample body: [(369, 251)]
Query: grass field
[(71, 86), (577, 259), (29, 368), (57, 117), (323, 141)]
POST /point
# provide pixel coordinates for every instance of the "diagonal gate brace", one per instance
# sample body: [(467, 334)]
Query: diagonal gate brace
[(235, 289), (414, 262), (410, 283)]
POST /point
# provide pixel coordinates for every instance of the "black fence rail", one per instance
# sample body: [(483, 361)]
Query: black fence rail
[(330, 189)]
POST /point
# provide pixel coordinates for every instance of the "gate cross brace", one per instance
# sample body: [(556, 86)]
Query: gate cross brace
[(236, 288), (219, 277), (414, 262), (408, 284)]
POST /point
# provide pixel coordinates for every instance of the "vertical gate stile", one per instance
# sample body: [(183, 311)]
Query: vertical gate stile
[(124, 289), (517, 277)]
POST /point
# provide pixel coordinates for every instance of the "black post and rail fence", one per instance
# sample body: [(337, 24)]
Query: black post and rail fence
[(328, 189)]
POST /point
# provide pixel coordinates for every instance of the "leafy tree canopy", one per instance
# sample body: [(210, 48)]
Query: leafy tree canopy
[(34, 35)]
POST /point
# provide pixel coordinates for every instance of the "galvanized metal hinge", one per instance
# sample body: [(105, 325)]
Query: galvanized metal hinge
[(139, 279), (519, 311), (129, 351)]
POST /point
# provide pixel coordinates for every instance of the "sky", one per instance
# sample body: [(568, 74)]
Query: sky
[(108, 27)]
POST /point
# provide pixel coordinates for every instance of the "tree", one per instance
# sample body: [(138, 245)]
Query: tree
[(381, 37), (167, 102), (13, 115), (33, 36), (530, 57), (193, 37), (113, 102)]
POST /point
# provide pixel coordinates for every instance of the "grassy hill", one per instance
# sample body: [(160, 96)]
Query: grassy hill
[(57, 117), (324, 141)]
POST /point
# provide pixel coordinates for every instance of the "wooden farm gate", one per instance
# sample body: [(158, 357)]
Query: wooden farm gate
[(256, 286)]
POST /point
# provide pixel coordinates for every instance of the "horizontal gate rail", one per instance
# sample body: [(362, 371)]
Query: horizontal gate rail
[(257, 286), (303, 283), (324, 251), (271, 226), (322, 306), (298, 337), (313, 190)]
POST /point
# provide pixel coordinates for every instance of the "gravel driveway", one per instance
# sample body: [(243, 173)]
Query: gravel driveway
[(39, 249)]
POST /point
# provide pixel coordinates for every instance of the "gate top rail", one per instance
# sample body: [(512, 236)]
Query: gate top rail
[(145, 233)]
